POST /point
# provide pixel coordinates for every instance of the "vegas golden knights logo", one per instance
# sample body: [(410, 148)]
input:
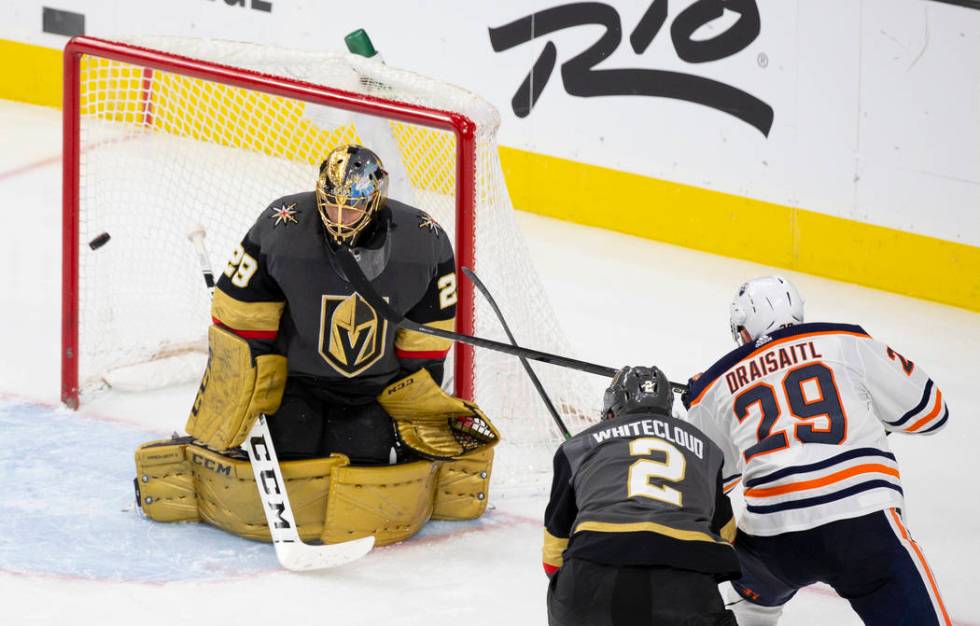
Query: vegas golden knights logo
[(352, 336)]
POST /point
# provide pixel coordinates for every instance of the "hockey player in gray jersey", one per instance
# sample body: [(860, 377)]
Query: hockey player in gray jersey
[(637, 529), (284, 293), (342, 387)]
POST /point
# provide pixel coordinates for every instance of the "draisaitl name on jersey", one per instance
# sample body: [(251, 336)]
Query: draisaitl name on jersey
[(653, 428), (769, 362)]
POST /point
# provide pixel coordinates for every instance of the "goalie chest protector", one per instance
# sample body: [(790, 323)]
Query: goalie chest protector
[(326, 330)]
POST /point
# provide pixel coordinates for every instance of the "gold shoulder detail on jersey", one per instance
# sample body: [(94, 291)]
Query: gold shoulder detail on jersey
[(411, 341), (241, 315)]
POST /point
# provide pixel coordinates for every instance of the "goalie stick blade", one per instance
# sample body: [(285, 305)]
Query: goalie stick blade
[(292, 553), (301, 557)]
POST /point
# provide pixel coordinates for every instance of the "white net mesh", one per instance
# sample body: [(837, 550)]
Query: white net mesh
[(162, 152)]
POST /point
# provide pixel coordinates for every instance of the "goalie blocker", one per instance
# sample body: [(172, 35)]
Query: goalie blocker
[(333, 501)]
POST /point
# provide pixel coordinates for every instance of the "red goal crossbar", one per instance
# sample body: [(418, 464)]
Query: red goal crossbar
[(461, 126)]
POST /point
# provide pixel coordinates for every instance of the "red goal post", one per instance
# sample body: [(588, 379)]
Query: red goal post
[(461, 126)]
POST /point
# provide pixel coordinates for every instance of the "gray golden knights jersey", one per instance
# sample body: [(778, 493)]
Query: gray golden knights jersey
[(284, 292), (640, 490)]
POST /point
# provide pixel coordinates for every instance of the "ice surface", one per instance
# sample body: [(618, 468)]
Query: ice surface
[(73, 550)]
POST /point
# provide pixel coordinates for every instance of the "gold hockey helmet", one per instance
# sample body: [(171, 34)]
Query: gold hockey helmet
[(350, 189)]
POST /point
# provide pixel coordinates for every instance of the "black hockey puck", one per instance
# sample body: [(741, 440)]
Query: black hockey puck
[(99, 241)]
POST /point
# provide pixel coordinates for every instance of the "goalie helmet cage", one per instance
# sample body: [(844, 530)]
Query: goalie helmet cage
[(164, 133)]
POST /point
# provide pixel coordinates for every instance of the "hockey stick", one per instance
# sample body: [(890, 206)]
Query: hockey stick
[(291, 552), (527, 366), (196, 235), (363, 286)]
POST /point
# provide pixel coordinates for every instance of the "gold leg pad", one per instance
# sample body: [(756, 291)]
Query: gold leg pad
[(228, 498), (331, 500), (463, 487), (391, 502), (165, 482)]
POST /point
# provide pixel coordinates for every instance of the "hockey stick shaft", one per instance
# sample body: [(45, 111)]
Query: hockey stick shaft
[(527, 366), (363, 286), (291, 552), (196, 235)]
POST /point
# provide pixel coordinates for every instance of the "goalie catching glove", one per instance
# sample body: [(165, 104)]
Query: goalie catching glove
[(434, 424)]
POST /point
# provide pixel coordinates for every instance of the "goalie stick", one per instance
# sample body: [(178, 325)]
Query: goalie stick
[(291, 552), (196, 235), (363, 286), (527, 366)]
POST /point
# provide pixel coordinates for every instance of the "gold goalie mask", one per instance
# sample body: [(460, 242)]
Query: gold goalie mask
[(352, 186)]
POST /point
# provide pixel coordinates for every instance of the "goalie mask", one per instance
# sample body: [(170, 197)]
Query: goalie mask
[(350, 189), (763, 305), (637, 390)]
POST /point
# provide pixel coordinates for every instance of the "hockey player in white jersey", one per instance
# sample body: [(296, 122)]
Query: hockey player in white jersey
[(801, 411)]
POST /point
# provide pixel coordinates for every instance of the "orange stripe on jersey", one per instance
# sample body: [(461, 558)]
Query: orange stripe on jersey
[(932, 414), (868, 468), (770, 345), (922, 561), (730, 485)]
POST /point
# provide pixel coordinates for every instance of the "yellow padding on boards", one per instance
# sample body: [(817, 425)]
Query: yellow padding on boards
[(30, 73), (331, 500), (679, 214), (744, 228)]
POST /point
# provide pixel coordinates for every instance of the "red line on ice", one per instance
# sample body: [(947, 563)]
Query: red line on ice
[(24, 169)]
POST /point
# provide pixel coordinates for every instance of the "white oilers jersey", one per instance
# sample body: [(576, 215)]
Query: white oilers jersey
[(801, 415)]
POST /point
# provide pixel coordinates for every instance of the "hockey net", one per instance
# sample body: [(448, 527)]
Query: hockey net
[(163, 135)]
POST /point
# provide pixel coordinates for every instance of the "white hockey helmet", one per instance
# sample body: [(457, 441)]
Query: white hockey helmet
[(764, 304)]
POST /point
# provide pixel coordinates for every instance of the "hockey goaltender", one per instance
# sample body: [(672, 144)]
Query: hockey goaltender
[(369, 442)]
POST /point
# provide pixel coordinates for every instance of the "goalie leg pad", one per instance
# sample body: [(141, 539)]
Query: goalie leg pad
[(165, 482), (389, 502), (227, 496), (234, 390), (178, 480), (433, 423), (463, 487)]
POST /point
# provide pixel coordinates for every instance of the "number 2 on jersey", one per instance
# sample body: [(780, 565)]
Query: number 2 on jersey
[(672, 468), (447, 290), (826, 405)]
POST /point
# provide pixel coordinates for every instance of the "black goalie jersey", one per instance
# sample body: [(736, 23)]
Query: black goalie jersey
[(640, 490), (283, 290)]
